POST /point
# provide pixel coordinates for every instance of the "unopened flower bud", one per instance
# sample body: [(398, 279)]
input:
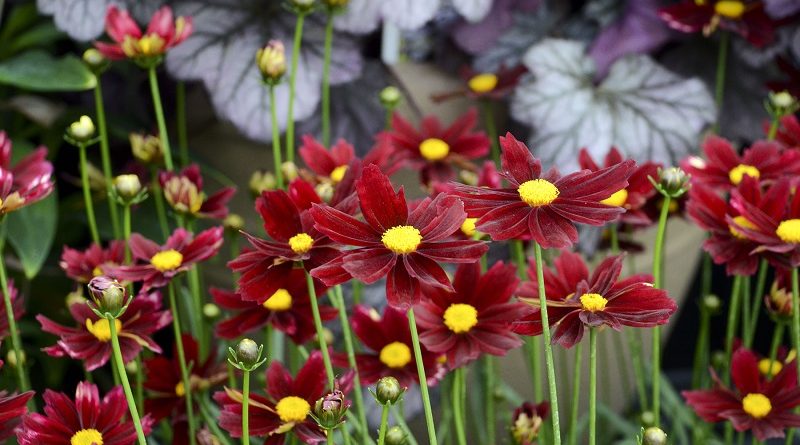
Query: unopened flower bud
[(247, 352), (261, 181), (527, 421), (781, 104), (11, 358), (95, 61), (779, 301), (146, 148), (468, 177), (271, 61), (388, 391), (127, 187), (324, 191), (75, 297), (390, 97), (233, 222), (647, 418), (290, 171), (330, 411), (108, 294), (654, 436), (211, 310), (335, 4), (673, 181), (81, 130), (718, 360), (301, 6), (327, 334), (711, 304), (131, 367), (396, 436)]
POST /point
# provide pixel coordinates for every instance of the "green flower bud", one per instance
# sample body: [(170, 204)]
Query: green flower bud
[(95, 60), (390, 97), (388, 391), (233, 222), (330, 411), (211, 310), (290, 172), (673, 181), (261, 181), (127, 187), (654, 436), (712, 304), (81, 130), (396, 436), (146, 148), (247, 352), (271, 61), (108, 294)]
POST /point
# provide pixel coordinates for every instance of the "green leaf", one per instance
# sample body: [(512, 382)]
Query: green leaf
[(31, 231), (38, 71)]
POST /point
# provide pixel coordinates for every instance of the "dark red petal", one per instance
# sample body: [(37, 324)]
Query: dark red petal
[(380, 205), (517, 160)]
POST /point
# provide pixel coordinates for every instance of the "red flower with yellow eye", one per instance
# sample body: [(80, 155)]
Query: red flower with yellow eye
[(388, 338), (183, 191), (473, 320), (404, 246), (27, 182), (85, 265), (746, 18), (434, 150), (287, 310), (91, 341), (329, 164), (544, 206), (724, 168), (576, 300), (758, 404), (485, 85), (162, 33)]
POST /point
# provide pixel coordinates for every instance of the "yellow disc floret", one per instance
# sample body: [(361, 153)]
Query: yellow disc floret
[(167, 260), (593, 302), (538, 192), (789, 231), (434, 149), (402, 239), (618, 199), (482, 83), (460, 317), (740, 221), (87, 437), (769, 367), (737, 173), (301, 243), (337, 174), (180, 390), (468, 226), (757, 405), (281, 300), (292, 409), (101, 329), (731, 9), (395, 355)]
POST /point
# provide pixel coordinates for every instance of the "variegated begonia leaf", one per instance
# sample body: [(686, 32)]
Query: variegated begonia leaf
[(640, 107), (472, 10), (84, 20), (362, 16)]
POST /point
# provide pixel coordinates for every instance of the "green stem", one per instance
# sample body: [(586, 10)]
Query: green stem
[(401, 422), (187, 388), (701, 349), (180, 117), (326, 81), (197, 303), (357, 288), (635, 346), (330, 437), (458, 405), (761, 281), (621, 357), (548, 347), (423, 381), (323, 344), (491, 415), (745, 310), (777, 337), (387, 121), (338, 299), (796, 315), (722, 62), (126, 231), (205, 411), (16, 345), (276, 138), (491, 129), (246, 407), (126, 386), (162, 126), (592, 386), (658, 259), (158, 198), (139, 383), (531, 343), (87, 195), (733, 317), (773, 129), (105, 155), (384, 422), (576, 396), (298, 39)]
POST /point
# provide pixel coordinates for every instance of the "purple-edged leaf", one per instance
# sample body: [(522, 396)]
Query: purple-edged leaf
[(84, 20)]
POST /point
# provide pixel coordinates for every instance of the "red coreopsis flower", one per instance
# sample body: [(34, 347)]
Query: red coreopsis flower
[(758, 404), (17, 306), (183, 191), (389, 339), (82, 266), (164, 381), (286, 406), (481, 85), (726, 245), (434, 150), (724, 168), (393, 242), (25, 183), (288, 310), (475, 318), (329, 165), (576, 300), (91, 341), (156, 265), (746, 18), (635, 195), (85, 421), (526, 422), (163, 32), (12, 408), (544, 206)]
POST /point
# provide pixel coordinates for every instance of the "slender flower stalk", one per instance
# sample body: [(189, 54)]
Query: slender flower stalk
[(733, 318), (423, 386), (158, 198), (701, 347), (491, 129), (246, 407), (548, 346), (120, 367), (323, 344), (719, 84), (87, 193), (777, 338), (384, 422), (458, 405), (139, 383), (326, 81), (16, 344), (491, 414), (658, 259), (795, 314), (572, 438), (162, 126), (180, 118), (176, 325), (755, 310), (531, 343), (338, 302), (298, 39), (592, 386), (126, 231), (276, 138), (105, 155)]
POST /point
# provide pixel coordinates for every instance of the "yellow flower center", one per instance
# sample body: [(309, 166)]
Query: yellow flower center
[(618, 199), (737, 173), (97, 271), (281, 300), (757, 405), (468, 226), (483, 83), (101, 329), (593, 302), (338, 173), (538, 192), (434, 149), (743, 222), (460, 317), (292, 409), (395, 354), (789, 231), (731, 9), (769, 367), (87, 437), (402, 239), (180, 390), (301, 243), (167, 260)]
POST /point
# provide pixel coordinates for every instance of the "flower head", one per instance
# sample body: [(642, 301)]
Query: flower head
[(475, 318), (393, 242), (82, 266), (271, 61), (744, 17), (756, 403), (543, 206), (526, 421), (486, 85), (12, 408), (183, 191), (146, 48), (330, 165), (86, 420), (90, 341), (25, 183)]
